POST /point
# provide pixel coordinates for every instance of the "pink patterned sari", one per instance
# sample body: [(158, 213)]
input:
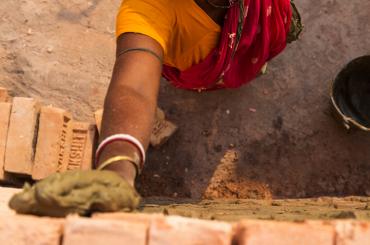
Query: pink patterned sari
[(254, 32)]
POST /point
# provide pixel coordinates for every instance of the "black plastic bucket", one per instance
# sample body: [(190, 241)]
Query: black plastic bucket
[(350, 94)]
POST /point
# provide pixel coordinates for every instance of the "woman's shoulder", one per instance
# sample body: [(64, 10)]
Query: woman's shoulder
[(158, 5)]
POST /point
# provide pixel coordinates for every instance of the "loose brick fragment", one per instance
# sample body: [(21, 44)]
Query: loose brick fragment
[(4, 95), (81, 146), (5, 109), (98, 119), (162, 131), (283, 233), (352, 232), (52, 143), (159, 115), (20, 146), (29, 230), (184, 231), (103, 232)]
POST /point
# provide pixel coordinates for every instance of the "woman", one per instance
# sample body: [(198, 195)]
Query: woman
[(196, 44)]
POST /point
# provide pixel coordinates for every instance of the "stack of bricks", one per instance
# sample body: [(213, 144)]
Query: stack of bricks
[(37, 140)]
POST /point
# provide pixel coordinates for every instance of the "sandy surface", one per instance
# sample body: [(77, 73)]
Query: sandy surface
[(273, 138)]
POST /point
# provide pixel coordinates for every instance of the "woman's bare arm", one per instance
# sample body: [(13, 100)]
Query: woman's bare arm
[(131, 100)]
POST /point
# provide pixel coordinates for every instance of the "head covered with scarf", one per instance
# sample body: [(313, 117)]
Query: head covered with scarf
[(254, 32)]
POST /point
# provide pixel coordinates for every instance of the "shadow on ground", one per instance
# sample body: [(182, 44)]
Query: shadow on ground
[(278, 129)]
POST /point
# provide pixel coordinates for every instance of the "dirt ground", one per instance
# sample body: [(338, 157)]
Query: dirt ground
[(323, 208), (273, 138)]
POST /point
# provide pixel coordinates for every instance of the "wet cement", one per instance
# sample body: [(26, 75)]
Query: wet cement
[(81, 192), (323, 208)]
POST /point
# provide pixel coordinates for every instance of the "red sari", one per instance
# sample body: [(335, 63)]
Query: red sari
[(254, 32)]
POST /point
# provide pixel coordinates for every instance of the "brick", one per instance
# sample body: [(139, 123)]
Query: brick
[(352, 232), (283, 233), (185, 231), (5, 109), (81, 147), (30, 230), (162, 131), (103, 232), (53, 136), (19, 153), (4, 95)]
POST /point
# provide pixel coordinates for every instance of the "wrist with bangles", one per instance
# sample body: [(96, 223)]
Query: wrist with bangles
[(137, 160)]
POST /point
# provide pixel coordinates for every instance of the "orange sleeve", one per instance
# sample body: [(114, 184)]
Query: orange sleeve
[(153, 18)]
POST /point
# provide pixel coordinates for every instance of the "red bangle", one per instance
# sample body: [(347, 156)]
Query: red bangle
[(122, 137)]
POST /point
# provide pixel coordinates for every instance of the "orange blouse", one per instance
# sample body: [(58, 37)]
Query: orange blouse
[(185, 32)]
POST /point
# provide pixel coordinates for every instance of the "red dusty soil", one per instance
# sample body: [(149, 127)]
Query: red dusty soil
[(273, 138)]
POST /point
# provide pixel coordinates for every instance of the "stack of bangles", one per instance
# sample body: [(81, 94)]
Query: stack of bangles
[(137, 161)]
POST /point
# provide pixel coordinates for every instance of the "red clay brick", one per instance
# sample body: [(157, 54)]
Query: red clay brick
[(53, 135), (29, 230), (283, 233), (184, 231), (19, 153), (4, 96), (352, 232), (5, 109), (80, 231), (81, 144)]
